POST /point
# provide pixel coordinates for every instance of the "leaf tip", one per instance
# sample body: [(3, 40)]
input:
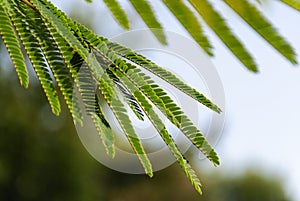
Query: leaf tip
[(150, 174)]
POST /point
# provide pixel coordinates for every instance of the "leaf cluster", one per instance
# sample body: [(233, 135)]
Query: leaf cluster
[(68, 58), (196, 15)]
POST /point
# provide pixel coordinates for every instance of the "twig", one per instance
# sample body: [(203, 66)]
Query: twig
[(29, 4)]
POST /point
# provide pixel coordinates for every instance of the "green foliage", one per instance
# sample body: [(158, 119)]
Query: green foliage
[(162, 73), (250, 14), (190, 22), (158, 124), (27, 31), (118, 12), (145, 11), (215, 21), (65, 52), (186, 15), (9, 37)]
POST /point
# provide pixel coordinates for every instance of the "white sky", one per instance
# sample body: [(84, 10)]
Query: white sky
[(263, 110)]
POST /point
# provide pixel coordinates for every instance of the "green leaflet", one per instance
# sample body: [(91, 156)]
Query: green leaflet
[(105, 62), (106, 135), (219, 26), (117, 11), (131, 101), (121, 114), (10, 39), (160, 127), (79, 60), (292, 3), (190, 22), (145, 11), (167, 106), (107, 88), (57, 64), (162, 73), (101, 79), (104, 129), (61, 26), (35, 54), (96, 41), (147, 64), (83, 79), (66, 55), (89, 93), (250, 14)]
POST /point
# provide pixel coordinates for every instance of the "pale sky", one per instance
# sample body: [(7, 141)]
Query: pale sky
[(263, 111)]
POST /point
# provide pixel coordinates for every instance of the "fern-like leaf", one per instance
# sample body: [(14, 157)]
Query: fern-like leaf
[(250, 14), (128, 96), (56, 62), (117, 11), (162, 73), (148, 65), (88, 66), (97, 68), (89, 93), (167, 106), (121, 114), (187, 18), (219, 26), (162, 101), (106, 134), (10, 39), (145, 11), (160, 127), (35, 54)]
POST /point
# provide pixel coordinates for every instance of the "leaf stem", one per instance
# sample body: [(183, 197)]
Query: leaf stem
[(29, 4)]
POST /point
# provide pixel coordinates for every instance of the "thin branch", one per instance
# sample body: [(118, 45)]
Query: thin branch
[(29, 4)]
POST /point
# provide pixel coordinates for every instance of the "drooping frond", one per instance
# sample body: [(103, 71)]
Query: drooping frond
[(215, 21), (97, 43), (128, 96), (120, 112), (56, 62), (292, 3), (61, 25), (162, 73), (190, 22), (160, 127), (145, 11), (106, 133), (35, 54), (167, 106), (89, 93), (96, 112), (117, 11), (90, 69), (10, 39), (250, 14)]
